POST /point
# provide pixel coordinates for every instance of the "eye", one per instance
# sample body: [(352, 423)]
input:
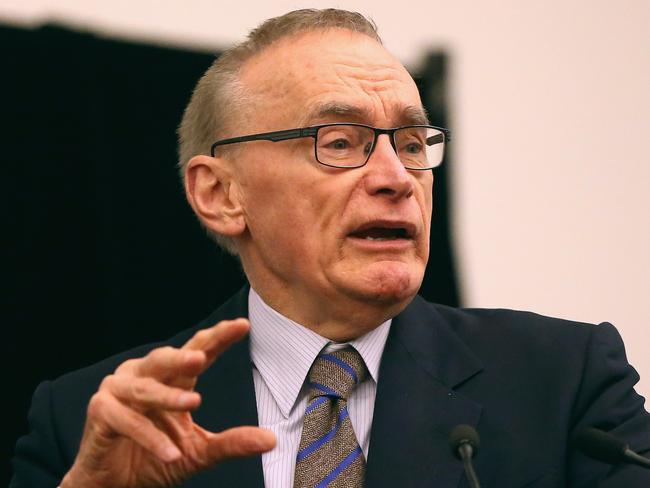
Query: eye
[(413, 148), (339, 144)]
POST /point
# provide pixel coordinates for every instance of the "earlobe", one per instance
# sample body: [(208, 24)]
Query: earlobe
[(212, 191)]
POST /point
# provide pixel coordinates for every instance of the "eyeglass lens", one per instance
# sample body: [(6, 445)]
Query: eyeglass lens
[(349, 146)]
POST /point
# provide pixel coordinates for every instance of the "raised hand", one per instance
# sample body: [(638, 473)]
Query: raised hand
[(139, 430)]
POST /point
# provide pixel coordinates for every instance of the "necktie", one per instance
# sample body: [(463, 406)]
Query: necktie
[(329, 454)]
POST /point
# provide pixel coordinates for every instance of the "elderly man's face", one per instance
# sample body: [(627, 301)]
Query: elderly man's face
[(318, 236)]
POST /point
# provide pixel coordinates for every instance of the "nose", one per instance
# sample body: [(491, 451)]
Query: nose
[(385, 173)]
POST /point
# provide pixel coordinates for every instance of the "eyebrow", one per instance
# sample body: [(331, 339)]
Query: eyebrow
[(408, 115), (413, 115)]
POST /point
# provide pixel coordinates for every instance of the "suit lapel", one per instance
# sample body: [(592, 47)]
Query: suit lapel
[(416, 406), (228, 393)]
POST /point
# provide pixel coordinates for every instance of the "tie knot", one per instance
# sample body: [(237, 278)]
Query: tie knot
[(336, 373)]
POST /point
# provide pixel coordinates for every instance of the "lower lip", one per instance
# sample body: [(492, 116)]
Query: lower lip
[(387, 245)]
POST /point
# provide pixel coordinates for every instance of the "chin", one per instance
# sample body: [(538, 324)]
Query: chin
[(390, 283)]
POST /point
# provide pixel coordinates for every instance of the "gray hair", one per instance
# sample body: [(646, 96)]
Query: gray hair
[(219, 99)]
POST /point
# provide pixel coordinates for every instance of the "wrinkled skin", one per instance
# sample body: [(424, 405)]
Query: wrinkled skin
[(292, 218), (139, 431), (295, 224)]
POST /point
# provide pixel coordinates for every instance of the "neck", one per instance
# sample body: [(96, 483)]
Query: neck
[(339, 320)]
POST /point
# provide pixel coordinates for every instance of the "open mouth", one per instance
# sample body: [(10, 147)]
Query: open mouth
[(384, 232), (381, 234)]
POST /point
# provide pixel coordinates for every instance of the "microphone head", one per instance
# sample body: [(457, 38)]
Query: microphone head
[(600, 445), (461, 435)]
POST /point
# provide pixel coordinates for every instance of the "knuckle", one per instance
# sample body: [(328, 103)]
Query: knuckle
[(160, 353), (203, 334), (97, 404), (139, 390), (107, 383), (126, 365), (146, 388)]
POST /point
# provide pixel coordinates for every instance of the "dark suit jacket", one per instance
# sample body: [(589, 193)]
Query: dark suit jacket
[(524, 381)]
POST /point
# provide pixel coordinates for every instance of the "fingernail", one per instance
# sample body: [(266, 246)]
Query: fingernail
[(172, 454)]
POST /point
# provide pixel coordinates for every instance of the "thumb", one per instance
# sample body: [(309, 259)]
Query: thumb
[(239, 442)]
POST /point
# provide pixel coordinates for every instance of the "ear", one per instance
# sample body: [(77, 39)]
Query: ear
[(212, 192)]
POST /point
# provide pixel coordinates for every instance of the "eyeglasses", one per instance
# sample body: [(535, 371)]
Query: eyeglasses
[(419, 147)]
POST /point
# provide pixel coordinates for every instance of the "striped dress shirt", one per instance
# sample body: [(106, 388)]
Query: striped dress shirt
[(282, 352)]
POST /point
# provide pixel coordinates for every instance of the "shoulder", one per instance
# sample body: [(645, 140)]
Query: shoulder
[(515, 320), (513, 337), (483, 324), (91, 375), (65, 399)]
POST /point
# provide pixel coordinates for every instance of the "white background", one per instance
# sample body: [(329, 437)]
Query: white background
[(550, 110)]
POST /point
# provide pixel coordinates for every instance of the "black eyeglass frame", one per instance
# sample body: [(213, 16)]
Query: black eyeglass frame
[(312, 131)]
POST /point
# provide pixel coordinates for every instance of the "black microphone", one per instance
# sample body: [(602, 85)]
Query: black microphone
[(607, 448), (464, 444)]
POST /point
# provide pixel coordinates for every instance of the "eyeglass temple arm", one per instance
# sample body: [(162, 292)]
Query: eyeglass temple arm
[(437, 139), (280, 135)]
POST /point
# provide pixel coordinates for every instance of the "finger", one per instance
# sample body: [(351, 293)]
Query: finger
[(240, 442), (147, 394), (216, 339), (104, 408), (164, 363)]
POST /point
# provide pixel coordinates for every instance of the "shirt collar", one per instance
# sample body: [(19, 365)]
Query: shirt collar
[(283, 350)]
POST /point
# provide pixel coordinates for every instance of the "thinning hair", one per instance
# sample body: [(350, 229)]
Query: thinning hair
[(219, 100)]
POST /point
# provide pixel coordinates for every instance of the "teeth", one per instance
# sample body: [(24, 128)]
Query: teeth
[(392, 238)]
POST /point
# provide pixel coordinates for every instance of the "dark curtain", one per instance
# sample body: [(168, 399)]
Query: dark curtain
[(103, 252)]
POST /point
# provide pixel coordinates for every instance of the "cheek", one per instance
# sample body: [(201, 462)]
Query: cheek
[(426, 200), (428, 210), (295, 204), (274, 214), (283, 218)]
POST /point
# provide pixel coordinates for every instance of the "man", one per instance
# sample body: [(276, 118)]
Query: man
[(289, 159)]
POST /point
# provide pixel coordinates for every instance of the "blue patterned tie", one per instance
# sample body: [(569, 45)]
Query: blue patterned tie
[(329, 454)]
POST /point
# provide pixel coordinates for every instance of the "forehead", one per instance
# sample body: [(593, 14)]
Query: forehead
[(330, 74)]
